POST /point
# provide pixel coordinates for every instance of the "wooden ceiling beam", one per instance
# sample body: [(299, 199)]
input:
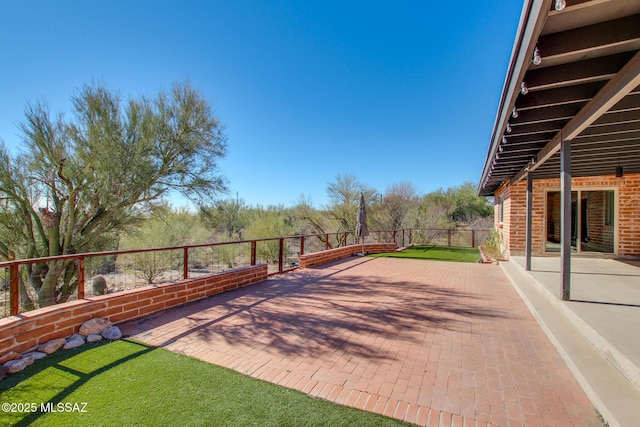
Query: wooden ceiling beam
[(626, 116), (539, 138), (582, 13), (627, 79), (614, 130), (559, 96), (614, 146), (588, 169), (540, 115), (535, 128), (602, 39), (626, 158), (630, 102), (591, 70)]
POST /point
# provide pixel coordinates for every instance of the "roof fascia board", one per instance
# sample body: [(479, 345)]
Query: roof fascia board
[(532, 19)]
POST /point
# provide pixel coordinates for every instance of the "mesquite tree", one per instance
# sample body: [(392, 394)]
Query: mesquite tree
[(395, 208), (79, 182)]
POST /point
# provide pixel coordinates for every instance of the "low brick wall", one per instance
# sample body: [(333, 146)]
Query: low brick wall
[(317, 258), (26, 331)]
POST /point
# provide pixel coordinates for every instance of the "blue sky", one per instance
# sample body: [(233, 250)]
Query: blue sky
[(390, 92)]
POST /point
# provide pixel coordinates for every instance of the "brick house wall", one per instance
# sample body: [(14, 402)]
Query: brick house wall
[(513, 224), (510, 205)]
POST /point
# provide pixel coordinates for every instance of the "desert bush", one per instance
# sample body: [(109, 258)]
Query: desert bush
[(493, 245)]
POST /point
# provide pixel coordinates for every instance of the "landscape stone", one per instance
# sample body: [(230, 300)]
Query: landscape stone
[(94, 326), (52, 346), (112, 333), (94, 337), (18, 365), (3, 372), (9, 356), (73, 342), (36, 355)]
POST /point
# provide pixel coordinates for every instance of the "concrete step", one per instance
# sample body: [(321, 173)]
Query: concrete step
[(611, 392), (606, 308)]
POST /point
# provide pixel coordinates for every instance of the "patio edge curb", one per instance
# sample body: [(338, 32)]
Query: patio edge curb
[(612, 394)]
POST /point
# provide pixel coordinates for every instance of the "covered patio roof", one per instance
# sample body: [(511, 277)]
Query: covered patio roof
[(574, 75)]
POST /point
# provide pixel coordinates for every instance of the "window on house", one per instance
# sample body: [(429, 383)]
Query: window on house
[(501, 210)]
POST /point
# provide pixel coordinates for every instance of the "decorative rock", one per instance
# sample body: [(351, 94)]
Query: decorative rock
[(12, 355), (52, 346), (3, 372), (36, 355), (18, 365), (112, 333), (94, 337), (73, 342), (94, 326)]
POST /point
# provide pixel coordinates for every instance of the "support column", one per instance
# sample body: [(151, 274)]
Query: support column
[(565, 218), (528, 230)]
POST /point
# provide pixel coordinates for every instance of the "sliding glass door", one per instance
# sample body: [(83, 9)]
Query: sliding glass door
[(592, 221)]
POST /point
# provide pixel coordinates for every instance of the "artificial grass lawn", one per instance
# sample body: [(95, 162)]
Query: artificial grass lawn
[(440, 253), (126, 383)]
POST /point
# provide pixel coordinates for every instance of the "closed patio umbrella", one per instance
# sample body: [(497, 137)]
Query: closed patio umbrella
[(361, 225)]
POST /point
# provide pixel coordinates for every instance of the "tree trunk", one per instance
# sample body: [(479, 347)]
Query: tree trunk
[(49, 290)]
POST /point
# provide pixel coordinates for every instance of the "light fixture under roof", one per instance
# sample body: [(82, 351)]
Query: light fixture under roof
[(560, 4), (508, 130), (514, 113), (504, 139), (537, 59), (523, 88)]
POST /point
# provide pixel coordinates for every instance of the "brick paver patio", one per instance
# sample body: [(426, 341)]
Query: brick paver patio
[(432, 343)]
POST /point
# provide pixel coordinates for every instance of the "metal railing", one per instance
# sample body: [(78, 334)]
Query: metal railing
[(78, 276)]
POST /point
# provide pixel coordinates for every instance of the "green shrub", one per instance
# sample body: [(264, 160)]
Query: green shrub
[(493, 245)]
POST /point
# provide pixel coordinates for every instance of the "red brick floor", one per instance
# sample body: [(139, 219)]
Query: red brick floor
[(432, 343)]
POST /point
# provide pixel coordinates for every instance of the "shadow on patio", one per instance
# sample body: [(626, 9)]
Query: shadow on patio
[(318, 311), (406, 338)]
